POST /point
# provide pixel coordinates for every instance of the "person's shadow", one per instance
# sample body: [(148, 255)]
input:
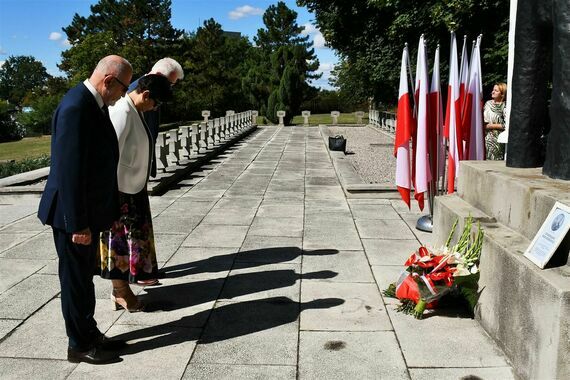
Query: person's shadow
[(179, 296), (240, 260), (226, 322)]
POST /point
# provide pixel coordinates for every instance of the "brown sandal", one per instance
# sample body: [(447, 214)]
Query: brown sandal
[(123, 298)]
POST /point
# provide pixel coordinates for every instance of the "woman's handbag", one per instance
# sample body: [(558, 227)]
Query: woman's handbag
[(337, 142)]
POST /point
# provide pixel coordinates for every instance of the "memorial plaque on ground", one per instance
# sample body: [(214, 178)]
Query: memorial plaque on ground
[(549, 236)]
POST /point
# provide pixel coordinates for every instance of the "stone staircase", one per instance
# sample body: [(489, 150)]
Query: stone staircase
[(524, 308)]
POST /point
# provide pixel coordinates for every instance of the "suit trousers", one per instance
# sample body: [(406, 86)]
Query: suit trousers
[(77, 264)]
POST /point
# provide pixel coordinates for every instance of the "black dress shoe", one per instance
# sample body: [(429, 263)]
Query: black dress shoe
[(95, 355), (110, 344)]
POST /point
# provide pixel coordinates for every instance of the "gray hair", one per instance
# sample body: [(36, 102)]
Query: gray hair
[(113, 64), (167, 66)]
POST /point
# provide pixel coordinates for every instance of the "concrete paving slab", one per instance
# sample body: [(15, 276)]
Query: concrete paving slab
[(200, 263), (279, 210), (27, 224), (426, 238), (362, 309), (166, 224), (185, 207), (348, 266), (416, 340), (166, 245), (16, 270), (291, 227), (341, 236), (383, 229), (368, 211), (251, 332), (230, 203), (40, 247), (154, 353), (42, 336), (231, 216), (325, 205), (324, 192), (389, 252), (384, 276), (7, 325), (281, 195), (24, 298), (350, 355), (216, 236), (10, 213), (368, 201), (502, 373), (17, 369), (9, 240), (204, 194), (242, 372)]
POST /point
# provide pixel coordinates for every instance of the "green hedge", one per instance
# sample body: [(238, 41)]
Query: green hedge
[(16, 167)]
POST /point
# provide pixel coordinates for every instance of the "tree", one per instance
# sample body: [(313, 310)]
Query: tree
[(369, 36), (37, 121), (289, 52), (19, 77), (139, 30)]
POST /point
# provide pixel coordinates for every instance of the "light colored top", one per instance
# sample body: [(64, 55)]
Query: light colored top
[(494, 113), (135, 150), (94, 92)]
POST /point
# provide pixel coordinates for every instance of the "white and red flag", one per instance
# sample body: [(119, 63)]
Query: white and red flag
[(404, 127), (463, 83), (473, 112), (452, 126), (435, 127), (422, 174)]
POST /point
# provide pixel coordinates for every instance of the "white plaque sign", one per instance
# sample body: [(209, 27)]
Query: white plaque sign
[(550, 235)]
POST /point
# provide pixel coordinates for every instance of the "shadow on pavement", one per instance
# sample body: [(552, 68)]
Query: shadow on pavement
[(226, 322), (244, 259)]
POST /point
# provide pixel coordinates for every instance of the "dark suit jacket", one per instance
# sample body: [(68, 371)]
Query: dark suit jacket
[(81, 190), (152, 119)]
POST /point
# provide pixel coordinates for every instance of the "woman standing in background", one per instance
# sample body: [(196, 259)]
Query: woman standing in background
[(494, 119)]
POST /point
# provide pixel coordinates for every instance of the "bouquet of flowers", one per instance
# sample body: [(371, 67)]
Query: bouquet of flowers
[(431, 274)]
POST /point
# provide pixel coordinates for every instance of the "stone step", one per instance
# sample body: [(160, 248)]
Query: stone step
[(518, 198), (525, 309)]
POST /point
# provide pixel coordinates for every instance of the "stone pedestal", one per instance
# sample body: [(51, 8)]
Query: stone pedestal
[(306, 115), (359, 116), (281, 115), (205, 115), (524, 308), (335, 115)]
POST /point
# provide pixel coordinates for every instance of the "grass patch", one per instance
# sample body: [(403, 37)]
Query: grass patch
[(323, 118), (27, 148)]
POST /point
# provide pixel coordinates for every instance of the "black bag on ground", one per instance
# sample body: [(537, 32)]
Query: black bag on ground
[(337, 142)]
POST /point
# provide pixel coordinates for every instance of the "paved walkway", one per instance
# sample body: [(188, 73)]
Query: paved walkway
[(270, 273)]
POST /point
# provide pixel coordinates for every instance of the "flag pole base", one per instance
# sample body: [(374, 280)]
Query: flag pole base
[(425, 223)]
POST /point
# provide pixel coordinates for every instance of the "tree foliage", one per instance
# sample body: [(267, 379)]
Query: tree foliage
[(20, 76), (369, 36)]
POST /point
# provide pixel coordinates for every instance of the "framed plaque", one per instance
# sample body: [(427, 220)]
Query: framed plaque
[(549, 236)]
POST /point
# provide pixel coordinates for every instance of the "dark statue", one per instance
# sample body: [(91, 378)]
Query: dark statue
[(542, 54)]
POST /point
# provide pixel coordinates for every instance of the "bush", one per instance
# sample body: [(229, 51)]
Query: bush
[(16, 167), (10, 130)]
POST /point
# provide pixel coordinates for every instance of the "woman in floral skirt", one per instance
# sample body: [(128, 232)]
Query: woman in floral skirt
[(127, 250)]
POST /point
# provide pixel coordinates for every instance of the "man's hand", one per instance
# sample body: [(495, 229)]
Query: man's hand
[(82, 237)]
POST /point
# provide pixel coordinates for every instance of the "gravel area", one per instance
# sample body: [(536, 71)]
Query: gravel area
[(370, 152)]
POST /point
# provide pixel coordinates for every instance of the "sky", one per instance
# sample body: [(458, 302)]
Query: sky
[(34, 27)]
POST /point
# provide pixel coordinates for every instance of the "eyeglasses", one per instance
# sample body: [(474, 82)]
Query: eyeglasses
[(125, 87)]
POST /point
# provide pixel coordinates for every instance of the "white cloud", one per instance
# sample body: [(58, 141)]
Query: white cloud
[(311, 30), (55, 36), (319, 41), (2, 51), (245, 11), (66, 42), (2, 63), (308, 29), (325, 67)]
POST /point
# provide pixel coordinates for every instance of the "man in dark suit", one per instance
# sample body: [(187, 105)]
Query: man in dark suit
[(81, 199), (172, 70)]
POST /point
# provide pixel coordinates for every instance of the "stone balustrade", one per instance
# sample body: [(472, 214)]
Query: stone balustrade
[(189, 141), (383, 120)]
